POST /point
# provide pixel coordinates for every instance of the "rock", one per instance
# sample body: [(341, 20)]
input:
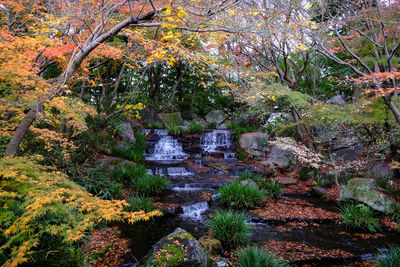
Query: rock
[(150, 118), (339, 100), (249, 182), (364, 190), (275, 118), (177, 249), (211, 245), (328, 178), (200, 121), (222, 127), (110, 163), (125, 137), (347, 148), (280, 157), (217, 116), (171, 119), (379, 170), (254, 144), (318, 192), (220, 262), (186, 123)]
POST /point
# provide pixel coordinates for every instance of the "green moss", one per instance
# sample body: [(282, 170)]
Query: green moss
[(170, 255), (183, 236), (172, 119)]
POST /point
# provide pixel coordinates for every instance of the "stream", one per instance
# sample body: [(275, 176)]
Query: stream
[(197, 165)]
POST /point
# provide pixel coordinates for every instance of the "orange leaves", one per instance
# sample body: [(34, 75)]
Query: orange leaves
[(381, 79)]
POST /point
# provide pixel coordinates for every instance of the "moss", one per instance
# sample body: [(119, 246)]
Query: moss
[(183, 235), (170, 255)]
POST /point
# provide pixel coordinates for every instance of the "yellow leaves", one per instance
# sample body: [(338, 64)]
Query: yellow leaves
[(294, 27), (231, 12), (258, 25), (302, 47), (308, 6)]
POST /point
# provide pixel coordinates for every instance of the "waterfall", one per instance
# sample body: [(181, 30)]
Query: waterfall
[(195, 210), (166, 149)]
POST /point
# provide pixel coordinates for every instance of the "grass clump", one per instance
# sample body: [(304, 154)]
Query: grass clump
[(238, 196), (138, 203), (177, 130), (241, 128), (140, 180), (212, 125), (230, 227), (389, 259), (257, 257), (272, 188), (134, 153), (360, 217), (195, 127)]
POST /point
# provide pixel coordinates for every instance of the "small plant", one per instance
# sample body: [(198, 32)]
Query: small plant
[(257, 257), (360, 217), (134, 153), (137, 203), (212, 125), (249, 175), (177, 130), (156, 125), (195, 127), (241, 128), (129, 172), (230, 228), (272, 188), (389, 259), (237, 196), (149, 184)]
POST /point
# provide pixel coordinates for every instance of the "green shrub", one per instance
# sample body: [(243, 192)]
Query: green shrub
[(149, 184), (212, 125), (134, 153), (389, 259), (137, 203), (100, 184), (237, 196), (230, 227), (360, 217), (272, 188), (258, 257), (195, 127), (177, 130), (129, 172)]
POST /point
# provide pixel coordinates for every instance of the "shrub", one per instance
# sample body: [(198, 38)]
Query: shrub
[(45, 215), (195, 127), (238, 196), (100, 184), (360, 217), (389, 259), (212, 125), (230, 227), (256, 257), (134, 153), (149, 184), (129, 172), (137, 203)]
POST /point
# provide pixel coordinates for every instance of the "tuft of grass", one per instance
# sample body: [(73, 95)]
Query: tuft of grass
[(134, 153), (230, 227), (212, 125), (272, 188), (257, 257), (360, 217), (177, 130), (129, 172), (388, 259), (237, 196), (195, 127), (138, 203), (242, 128)]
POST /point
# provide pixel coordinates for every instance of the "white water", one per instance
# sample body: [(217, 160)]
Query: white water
[(211, 141), (167, 148), (195, 210), (178, 171)]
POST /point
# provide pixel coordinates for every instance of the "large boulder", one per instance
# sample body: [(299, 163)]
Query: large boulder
[(254, 144), (339, 100), (280, 157), (364, 190), (217, 116), (379, 171), (347, 148), (150, 118), (125, 136), (177, 249), (171, 119), (110, 163)]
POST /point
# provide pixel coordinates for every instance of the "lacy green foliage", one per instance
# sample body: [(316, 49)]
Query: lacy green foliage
[(237, 196), (258, 257), (240, 128), (195, 127), (134, 153), (212, 125), (140, 180), (99, 184), (230, 227), (360, 217), (388, 259), (38, 203), (137, 202)]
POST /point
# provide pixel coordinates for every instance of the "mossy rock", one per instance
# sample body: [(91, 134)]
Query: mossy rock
[(177, 249), (172, 119)]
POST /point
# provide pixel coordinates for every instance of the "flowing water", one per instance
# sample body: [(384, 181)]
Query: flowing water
[(197, 166)]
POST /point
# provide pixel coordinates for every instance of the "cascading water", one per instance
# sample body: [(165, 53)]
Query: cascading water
[(166, 149), (195, 210), (217, 141)]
